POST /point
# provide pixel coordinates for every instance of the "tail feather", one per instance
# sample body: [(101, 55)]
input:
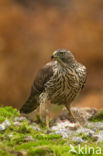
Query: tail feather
[(30, 105)]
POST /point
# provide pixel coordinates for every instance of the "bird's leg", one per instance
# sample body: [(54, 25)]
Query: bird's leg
[(44, 115), (44, 112), (72, 119), (47, 122), (70, 113)]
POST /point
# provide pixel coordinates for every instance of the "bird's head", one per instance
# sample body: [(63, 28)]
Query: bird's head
[(63, 56)]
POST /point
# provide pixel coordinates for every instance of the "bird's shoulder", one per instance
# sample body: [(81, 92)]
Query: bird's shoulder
[(82, 73), (43, 76), (81, 68)]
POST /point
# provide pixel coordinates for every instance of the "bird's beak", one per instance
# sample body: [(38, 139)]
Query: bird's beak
[(53, 55)]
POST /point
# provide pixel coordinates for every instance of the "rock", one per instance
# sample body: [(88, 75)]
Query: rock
[(65, 124), (100, 139), (16, 123), (6, 123), (91, 124), (2, 127), (28, 138), (96, 137), (35, 126), (63, 133), (85, 131), (10, 135), (90, 134), (64, 128), (78, 140), (22, 118), (81, 114), (101, 134), (95, 125), (59, 129)]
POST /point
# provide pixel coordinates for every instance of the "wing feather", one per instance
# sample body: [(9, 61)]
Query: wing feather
[(43, 76)]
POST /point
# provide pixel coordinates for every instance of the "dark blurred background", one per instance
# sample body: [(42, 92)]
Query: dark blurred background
[(31, 30)]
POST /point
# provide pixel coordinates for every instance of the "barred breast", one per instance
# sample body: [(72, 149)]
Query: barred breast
[(65, 84)]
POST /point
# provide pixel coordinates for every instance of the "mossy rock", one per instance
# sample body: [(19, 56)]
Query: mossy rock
[(98, 117)]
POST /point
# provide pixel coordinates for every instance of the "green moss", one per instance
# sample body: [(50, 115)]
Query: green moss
[(86, 137), (13, 139), (46, 148), (97, 117), (2, 118), (8, 112), (6, 151)]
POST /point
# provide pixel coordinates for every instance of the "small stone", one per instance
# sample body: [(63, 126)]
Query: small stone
[(90, 134), (16, 123), (100, 139), (6, 123), (91, 125), (2, 127), (22, 118), (36, 128), (65, 128), (28, 138), (78, 140), (85, 131), (60, 129), (66, 124), (95, 125), (101, 134), (10, 135), (96, 137), (63, 133)]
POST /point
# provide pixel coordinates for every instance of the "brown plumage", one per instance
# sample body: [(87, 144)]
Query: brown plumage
[(58, 82)]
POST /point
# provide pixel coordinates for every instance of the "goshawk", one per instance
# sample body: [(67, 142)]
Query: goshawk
[(58, 82)]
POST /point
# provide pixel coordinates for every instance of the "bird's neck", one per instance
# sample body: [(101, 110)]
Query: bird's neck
[(71, 64)]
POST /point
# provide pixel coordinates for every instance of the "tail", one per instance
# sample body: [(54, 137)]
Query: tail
[(30, 105)]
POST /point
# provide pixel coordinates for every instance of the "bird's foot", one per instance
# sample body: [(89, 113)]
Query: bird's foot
[(72, 118)]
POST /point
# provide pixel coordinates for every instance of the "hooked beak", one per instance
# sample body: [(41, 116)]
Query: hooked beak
[(54, 55)]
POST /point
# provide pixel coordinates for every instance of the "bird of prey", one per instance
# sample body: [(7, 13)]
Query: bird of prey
[(58, 82)]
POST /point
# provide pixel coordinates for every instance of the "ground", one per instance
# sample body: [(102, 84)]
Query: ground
[(20, 137)]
